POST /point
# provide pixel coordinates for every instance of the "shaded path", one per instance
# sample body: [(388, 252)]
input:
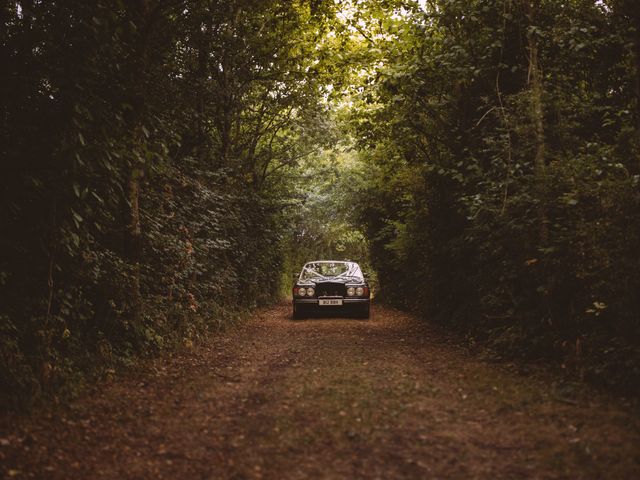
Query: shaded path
[(327, 398)]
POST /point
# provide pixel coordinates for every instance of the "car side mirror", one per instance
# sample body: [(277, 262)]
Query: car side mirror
[(294, 278)]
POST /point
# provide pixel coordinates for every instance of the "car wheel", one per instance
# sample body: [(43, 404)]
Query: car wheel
[(364, 313), (298, 313)]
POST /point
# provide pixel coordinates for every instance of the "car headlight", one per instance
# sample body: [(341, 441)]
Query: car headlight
[(359, 291), (302, 292), (310, 292), (351, 291)]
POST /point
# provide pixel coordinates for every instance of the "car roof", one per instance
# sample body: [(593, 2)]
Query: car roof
[(330, 261)]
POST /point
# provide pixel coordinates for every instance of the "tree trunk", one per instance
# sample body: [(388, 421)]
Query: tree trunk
[(134, 243), (537, 116), (634, 12), (138, 73), (203, 45)]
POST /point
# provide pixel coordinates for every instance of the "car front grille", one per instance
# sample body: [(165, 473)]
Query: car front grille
[(331, 289)]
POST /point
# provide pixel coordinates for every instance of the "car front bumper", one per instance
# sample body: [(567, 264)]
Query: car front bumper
[(345, 301)]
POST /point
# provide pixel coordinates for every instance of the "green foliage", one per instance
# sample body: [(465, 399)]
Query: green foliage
[(463, 225), (145, 148), (323, 215), (168, 165)]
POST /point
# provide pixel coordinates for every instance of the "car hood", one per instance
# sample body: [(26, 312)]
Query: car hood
[(343, 280)]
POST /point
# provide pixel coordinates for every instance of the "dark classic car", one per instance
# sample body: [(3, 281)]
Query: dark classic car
[(328, 285)]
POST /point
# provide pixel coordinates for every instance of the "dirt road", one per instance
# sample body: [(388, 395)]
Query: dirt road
[(327, 398)]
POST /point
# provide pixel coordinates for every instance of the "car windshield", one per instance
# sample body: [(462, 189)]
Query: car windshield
[(323, 270)]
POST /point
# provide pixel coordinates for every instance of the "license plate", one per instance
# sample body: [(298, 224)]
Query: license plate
[(330, 301)]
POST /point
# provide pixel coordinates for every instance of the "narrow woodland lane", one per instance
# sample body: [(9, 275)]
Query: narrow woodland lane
[(327, 398)]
